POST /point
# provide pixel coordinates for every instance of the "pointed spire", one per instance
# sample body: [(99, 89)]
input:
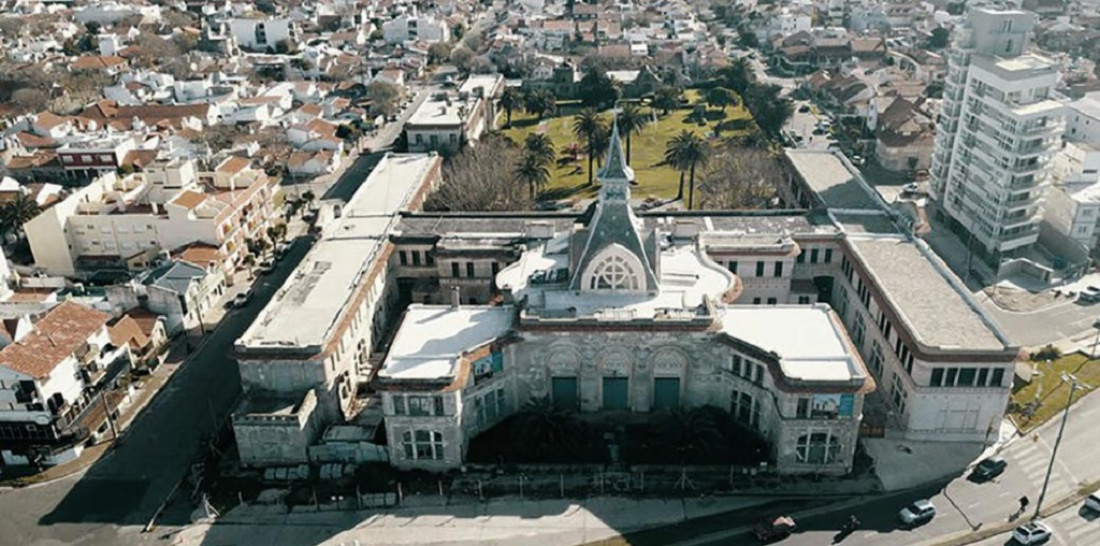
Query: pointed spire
[(615, 167)]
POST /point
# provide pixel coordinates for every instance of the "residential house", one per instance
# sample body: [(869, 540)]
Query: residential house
[(263, 34), (47, 407), (904, 138), (413, 28)]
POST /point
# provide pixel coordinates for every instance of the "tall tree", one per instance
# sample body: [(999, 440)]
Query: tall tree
[(631, 120), (481, 178), (540, 102), (509, 100), (685, 152), (17, 212), (540, 147), (534, 172), (720, 97), (737, 76), (597, 89), (740, 178), (667, 98), (587, 126)]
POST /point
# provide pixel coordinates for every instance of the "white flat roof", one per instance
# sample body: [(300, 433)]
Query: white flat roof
[(308, 306), (442, 112), (432, 337), (810, 344)]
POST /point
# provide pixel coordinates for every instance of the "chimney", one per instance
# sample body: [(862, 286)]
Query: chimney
[(456, 297)]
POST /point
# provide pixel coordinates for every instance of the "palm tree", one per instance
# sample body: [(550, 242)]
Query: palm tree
[(17, 212), (541, 147), (543, 428), (685, 152), (533, 171), (586, 126), (510, 100), (631, 120), (692, 433), (601, 141)]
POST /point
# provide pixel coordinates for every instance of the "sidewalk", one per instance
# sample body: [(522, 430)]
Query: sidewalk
[(502, 521)]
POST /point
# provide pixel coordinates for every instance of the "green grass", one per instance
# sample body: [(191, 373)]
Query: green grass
[(1053, 393), (569, 179)]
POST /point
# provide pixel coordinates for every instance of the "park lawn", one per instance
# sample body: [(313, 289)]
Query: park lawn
[(1054, 393), (569, 179)]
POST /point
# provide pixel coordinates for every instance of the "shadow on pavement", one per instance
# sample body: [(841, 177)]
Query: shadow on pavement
[(129, 484)]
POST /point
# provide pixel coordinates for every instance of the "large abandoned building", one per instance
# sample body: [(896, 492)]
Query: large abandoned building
[(813, 325)]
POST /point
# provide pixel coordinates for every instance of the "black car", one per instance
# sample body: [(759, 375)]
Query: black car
[(990, 468), (803, 109)]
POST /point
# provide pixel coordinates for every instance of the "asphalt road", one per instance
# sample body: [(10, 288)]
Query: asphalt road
[(117, 496)]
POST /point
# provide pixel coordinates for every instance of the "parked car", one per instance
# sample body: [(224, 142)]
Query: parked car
[(818, 131), (804, 108), (1090, 294), (242, 299), (989, 468), (280, 251), (1035, 532), (1092, 502), (918, 513), (266, 267), (773, 529)]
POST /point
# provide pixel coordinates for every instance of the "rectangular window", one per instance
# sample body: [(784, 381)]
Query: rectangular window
[(937, 377), (756, 301), (778, 272), (759, 269), (813, 255), (615, 393), (438, 401), (399, 405), (803, 300), (563, 391), (801, 257), (495, 268), (772, 301), (876, 357), (470, 269), (997, 377), (422, 406), (803, 410), (952, 373), (966, 377), (416, 257), (666, 393), (732, 267), (736, 367), (828, 256), (429, 259), (758, 373), (983, 375), (403, 257), (454, 269)]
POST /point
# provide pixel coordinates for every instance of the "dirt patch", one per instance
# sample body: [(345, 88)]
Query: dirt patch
[(1021, 301)]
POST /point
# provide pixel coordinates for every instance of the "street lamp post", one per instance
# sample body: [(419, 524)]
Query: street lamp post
[(1095, 341), (1058, 441)]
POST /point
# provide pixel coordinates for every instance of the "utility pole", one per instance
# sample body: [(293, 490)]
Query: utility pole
[(1058, 441), (107, 412)]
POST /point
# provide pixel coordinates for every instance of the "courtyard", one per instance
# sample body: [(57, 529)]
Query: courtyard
[(569, 178)]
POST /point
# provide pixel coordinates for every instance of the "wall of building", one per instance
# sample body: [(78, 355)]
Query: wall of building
[(279, 440)]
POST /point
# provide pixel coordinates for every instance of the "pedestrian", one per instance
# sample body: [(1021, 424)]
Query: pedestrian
[(1024, 501)]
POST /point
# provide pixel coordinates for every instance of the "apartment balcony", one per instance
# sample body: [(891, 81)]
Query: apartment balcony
[(1016, 239), (1020, 220)]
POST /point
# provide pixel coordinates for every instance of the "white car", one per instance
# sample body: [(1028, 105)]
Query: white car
[(917, 513), (1092, 502), (1035, 532)]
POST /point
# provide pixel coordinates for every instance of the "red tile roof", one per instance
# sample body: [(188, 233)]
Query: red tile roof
[(56, 336)]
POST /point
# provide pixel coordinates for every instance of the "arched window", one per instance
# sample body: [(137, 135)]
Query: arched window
[(614, 274), (615, 269), (817, 448)]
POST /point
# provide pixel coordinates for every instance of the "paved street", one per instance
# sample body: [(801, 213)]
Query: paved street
[(1073, 527), (963, 505), (119, 494)]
